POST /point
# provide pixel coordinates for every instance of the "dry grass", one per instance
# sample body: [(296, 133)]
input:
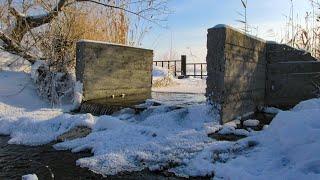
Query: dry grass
[(81, 22), (116, 21), (306, 35)]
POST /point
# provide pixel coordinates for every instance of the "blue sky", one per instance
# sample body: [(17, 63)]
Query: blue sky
[(190, 20)]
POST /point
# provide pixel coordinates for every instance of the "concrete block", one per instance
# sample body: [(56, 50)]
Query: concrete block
[(236, 65), (110, 70), (284, 53)]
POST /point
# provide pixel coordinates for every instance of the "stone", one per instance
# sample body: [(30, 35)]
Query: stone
[(74, 133), (251, 123)]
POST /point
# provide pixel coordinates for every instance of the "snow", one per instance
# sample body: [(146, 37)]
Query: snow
[(109, 43), (77, 94), (311, 104), (231, 129), (187, 85), (227, 130), (221, 26), (233, 123), (164, 135), (161, 77), (241, 132), (30, 177), (154, 139), (28, 119), (159, 72), (287, 149), (251, 122), (265, 127), (173, 85), (271, 110), (11, 62)]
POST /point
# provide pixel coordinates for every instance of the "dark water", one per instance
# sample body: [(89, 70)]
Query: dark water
[(16, 160), (46, 162)]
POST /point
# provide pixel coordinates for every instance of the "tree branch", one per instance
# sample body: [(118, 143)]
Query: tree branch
[(123, 9), (25, 23), (12, 47)]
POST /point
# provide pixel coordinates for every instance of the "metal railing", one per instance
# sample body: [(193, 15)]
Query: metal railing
[(203, 69), (179, 67), (168, 64)]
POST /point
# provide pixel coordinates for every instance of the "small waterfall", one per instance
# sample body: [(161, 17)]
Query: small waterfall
[(110, 105), (98, 109)]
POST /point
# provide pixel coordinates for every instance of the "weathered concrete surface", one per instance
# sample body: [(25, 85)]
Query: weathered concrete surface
[(291, 75), (245, 72), (110, 70), (236, 65), (284, 53)]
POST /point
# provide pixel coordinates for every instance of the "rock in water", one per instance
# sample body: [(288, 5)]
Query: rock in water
[(251, 123), (74, 133)]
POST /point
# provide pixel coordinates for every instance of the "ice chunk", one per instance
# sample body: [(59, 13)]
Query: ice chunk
[(251, 122), (30, 177)]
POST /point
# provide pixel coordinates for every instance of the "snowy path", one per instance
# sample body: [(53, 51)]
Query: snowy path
[(163, 81), (188, 85)]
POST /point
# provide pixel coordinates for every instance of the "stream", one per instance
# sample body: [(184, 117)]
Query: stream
[(48, 163)]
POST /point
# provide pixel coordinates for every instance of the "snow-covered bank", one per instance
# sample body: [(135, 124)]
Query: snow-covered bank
[(155, 139), (27, 118), (164, 137), (187, 85), (125, 142), (164, 81), (11, 62), (287, 149)]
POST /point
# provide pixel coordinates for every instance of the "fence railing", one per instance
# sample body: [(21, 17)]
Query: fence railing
[(168, 64), (182, 68), (203, 69)]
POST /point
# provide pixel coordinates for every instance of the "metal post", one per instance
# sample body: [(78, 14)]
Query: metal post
[(175, 68), (168, 65), (162, 64), (194, 70), (156, 63), (184, 65), (201, 71)]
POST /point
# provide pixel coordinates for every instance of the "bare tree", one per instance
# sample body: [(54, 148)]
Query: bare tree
[(243, 16), (59, 24), (20, 23)]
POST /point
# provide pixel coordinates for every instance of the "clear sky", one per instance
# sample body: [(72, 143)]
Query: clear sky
[(190, 20)]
